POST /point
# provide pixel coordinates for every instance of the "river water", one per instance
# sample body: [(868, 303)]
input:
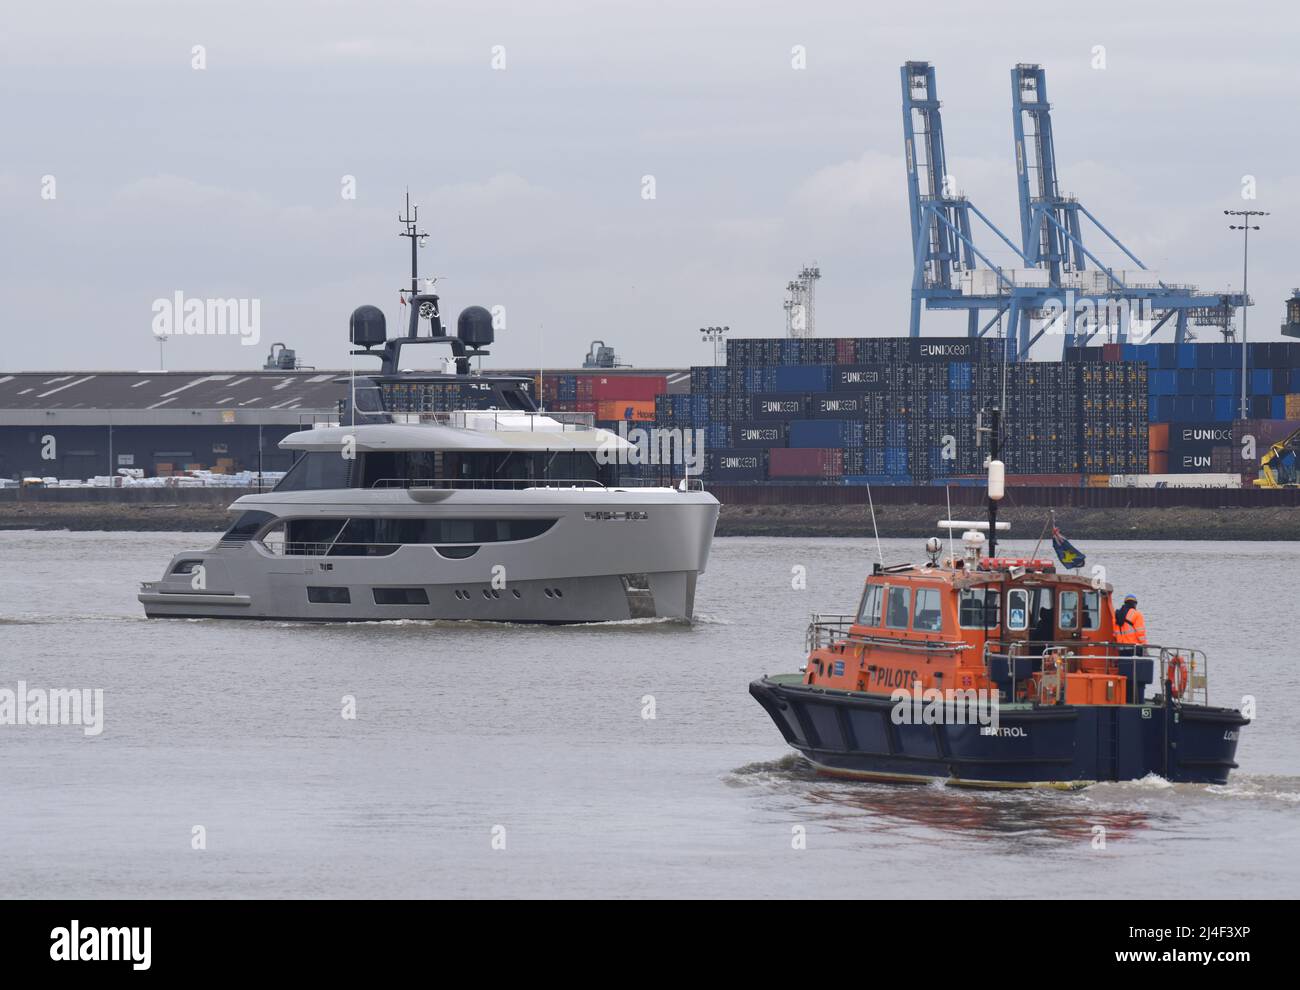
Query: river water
[(470, 738)]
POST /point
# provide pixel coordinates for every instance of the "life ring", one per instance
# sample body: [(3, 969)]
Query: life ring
[(1176, 673)]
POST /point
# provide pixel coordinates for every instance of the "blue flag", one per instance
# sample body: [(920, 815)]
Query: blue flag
[(1066, 553)]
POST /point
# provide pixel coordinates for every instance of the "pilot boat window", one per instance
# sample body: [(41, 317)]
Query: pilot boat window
[(869, 614), (1017, 609), (978, 608), (896, 608), (928, 617), (1092, 610), (1069, 610)]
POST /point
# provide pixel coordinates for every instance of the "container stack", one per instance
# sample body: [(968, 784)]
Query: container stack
[(1194, 401), (899, 411)]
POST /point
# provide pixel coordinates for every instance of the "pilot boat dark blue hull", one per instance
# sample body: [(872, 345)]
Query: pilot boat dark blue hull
[(854, 734)]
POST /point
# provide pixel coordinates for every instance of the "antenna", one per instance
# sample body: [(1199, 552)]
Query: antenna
[(411, 221), (879, 551), (952, 550)]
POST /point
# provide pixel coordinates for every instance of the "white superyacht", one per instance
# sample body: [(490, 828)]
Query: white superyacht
[(448, 496)]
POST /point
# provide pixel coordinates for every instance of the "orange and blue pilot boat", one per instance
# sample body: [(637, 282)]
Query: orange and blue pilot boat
[(994, 671)]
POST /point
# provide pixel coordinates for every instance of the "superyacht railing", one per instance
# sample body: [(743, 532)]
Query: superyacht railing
[(512, 484), (512, 420), (507, 420)]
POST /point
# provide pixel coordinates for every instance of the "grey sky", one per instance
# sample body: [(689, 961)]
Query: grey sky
[(226, 182)]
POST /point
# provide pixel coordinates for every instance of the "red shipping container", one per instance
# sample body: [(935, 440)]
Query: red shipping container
[(638, 388), (1111, 352), (805, 462)]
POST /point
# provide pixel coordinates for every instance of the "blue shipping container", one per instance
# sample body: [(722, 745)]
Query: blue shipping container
[(825, 433), (803, 378)]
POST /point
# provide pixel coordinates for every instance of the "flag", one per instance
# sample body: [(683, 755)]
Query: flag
[(1066, 553)]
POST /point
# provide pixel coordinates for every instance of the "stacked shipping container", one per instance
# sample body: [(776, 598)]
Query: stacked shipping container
[(1194, 401), (902, 411)]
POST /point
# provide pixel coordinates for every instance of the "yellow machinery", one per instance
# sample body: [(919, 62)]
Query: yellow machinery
[(1280, 466)]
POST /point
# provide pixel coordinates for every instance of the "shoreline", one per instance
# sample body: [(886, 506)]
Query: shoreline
[(796, 521)]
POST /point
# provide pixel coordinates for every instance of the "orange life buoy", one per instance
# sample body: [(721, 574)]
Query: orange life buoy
[(1176, 672)]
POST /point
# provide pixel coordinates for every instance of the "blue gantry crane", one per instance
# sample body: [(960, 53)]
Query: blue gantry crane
[(1049, 282), (1051, 227), (949, 271)]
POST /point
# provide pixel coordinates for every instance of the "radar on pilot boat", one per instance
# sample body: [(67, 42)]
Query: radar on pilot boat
[(474, 327), (367, 327)]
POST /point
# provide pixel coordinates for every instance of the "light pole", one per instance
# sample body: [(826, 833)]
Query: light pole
[(162, 339), (1245, 227), (714, 335)]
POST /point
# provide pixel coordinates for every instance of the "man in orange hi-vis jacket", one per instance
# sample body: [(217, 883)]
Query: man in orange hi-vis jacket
[(1130, 628)]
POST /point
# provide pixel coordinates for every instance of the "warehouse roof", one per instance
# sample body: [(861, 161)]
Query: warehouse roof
[(309, 390), (247, 390)]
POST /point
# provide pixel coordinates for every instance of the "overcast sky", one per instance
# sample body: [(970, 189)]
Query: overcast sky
[(226, 181)]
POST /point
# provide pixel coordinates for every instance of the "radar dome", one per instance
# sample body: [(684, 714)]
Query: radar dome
[(367, 327), (474, 327)]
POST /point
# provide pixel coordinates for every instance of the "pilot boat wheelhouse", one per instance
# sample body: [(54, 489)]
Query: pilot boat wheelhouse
[(451, 496)]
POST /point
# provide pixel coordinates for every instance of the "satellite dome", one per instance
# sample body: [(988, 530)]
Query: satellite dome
[(367, 327), (474, 327)]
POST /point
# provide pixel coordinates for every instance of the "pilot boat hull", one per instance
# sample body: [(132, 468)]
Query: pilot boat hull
[(853, 734)]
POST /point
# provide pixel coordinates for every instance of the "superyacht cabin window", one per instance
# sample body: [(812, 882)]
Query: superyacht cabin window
[(361, 537), (426, 468), (316, 470)]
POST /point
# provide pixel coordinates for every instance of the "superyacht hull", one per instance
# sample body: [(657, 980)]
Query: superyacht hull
[(607, 555)]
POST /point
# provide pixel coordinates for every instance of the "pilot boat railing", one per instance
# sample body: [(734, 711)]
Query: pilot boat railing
[(1167, 659), (827, 628)]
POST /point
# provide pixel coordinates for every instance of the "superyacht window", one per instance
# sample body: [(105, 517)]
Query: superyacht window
[(896, 608), (318, 595), (928, 618), (247, 525), (401, 596), (318, 469), (869, 613)]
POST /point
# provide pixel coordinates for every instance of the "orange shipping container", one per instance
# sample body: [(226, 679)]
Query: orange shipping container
[(1158, 438), (633, 409), (1293, 406)]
